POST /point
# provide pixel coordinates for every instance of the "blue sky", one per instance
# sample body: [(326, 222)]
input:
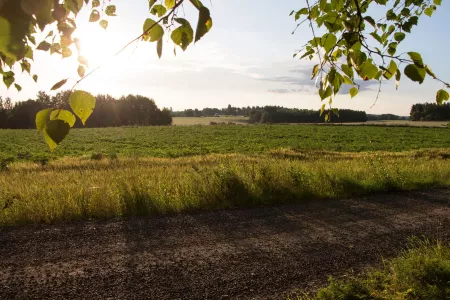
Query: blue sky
[(245, 60)]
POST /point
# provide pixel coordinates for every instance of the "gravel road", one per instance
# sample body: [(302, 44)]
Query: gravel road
[(253, 253)]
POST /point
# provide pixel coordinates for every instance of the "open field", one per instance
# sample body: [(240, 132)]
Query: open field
[(180, 141), (183, 121), (180, 121), (257, 253), (408, 123)]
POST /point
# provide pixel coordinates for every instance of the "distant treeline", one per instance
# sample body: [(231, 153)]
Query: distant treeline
[(274, 114), (108, 112), (385, 117), (277, 114), (211, 112), (430, 112)]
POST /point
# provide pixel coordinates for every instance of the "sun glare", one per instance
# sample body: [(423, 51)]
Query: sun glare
[(96, 44)]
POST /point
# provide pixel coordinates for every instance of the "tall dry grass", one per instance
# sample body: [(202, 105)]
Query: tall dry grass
[(71, 189)]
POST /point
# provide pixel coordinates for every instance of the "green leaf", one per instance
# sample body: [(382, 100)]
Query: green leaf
[(437, 2), (25, 66), (392, 48), (95, 16), (347, 70), (59, 84), (35, 78), (110, 10), (29, 53), (151, 3), (315, 71), (325, 93), (204, 23), (328, 41), (335, 111), (44, 46), (370, 20), (42, 118), (63, 115), (347, 80), (430, 72), (8, 78), (158, 10), (95, 3), (66, 52), (303, 11), (159, 47), (391, 70), (82, 104), (51, 144), (368, 70), (441, 96), (415, 73), (430, 10), (197, 3), (41, 9), (398, 76), (353, 92), (416, 58), (18, 87), (183, 35), (81, 71), (104, 24), (56, 130), (170, 4), (73, 5), (155, 33), (337, 83), (399, 36)]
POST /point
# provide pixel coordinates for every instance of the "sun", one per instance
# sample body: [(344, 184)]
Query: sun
[(95, 44)]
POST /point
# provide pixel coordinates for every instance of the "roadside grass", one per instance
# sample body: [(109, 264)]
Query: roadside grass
[(83, 188), (421, 272), (182, 141)]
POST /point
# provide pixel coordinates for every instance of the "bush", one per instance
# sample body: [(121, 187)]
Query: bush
[(97, 156), (5, 162)]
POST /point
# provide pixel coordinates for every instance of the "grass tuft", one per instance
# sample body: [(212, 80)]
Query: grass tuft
[(421, 272)]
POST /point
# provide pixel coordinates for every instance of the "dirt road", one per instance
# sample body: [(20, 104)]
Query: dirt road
[(243, 253)]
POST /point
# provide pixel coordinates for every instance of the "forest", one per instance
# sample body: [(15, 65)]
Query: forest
[(430, 112), (131, 110)]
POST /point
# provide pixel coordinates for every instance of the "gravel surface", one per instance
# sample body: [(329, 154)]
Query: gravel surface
[(255, 253)]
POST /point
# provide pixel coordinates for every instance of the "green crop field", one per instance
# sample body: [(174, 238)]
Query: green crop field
[(180, 141), (111, 172)]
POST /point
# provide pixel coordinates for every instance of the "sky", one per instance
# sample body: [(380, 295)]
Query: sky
[(245, 60)]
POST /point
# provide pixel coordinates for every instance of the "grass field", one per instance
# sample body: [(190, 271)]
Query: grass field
[(113, 172), (181, 121), (181, 141), (71, 189)]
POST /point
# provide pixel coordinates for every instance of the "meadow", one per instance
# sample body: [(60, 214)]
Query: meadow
[(182, 141), (117, 172)]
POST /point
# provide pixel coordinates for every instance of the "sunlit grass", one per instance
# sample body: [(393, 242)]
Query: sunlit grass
[(182, 141), (82, 188), (421, 272)]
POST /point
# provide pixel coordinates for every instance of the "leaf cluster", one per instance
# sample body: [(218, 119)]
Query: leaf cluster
[(356, 47)]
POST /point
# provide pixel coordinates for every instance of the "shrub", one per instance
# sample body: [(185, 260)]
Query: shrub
[(97, 156), (5, 162)]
